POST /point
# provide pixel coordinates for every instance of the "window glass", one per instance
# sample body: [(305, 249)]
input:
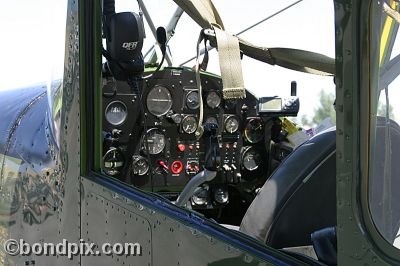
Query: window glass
[(384, 164)]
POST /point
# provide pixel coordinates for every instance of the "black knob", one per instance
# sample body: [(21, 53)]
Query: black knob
[(293, 88)]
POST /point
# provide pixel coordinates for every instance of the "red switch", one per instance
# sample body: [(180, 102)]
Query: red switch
[(163, 165), (181, 147), (176, 167)]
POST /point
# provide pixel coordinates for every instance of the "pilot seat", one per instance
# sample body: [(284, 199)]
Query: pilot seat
[(300, 196)]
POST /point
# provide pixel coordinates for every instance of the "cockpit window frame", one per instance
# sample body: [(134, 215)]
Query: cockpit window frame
[(370, 60)]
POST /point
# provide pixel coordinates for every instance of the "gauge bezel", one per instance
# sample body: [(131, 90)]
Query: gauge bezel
[(185, 119), (187, 102), (117, 169), (144, 137), (244, 153), (246, 133), (122, 120), (137, 158), (226, 121), (170, 101), (211, 117), (219, 97)]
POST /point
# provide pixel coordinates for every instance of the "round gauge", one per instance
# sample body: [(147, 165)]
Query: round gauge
[(231, 124), (251, 159), (189, 124), (116, 113), (192, 100), (140, 165), (154, 141), (254, 130), (211, 120), (213, 99), (113, 161), (201, 195), (159, 101)]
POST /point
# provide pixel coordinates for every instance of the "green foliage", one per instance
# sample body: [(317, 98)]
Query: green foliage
[(382, 110), (323, 111)]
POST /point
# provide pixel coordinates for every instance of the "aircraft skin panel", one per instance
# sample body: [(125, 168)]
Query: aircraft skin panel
[(177, 237), (39, 193)]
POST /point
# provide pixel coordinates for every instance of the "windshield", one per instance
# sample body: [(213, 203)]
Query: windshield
[(283, 25)]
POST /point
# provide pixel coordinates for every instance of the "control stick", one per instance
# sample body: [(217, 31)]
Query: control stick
[(210, 168)]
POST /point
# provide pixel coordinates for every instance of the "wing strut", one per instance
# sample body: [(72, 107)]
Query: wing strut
[(204, 13)]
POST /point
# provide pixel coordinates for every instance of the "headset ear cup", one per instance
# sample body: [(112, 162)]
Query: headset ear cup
[(125, 36)]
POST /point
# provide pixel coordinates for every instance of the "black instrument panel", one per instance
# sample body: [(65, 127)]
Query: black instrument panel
[(150, 141)]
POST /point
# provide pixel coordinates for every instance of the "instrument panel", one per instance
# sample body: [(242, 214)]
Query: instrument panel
[(150, 140)]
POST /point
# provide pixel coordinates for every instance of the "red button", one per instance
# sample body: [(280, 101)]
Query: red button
[(176, 167), (181, 147)]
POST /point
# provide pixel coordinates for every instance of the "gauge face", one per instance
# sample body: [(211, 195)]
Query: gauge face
[(211, 120), (154, 141), (140, 165), (113, 161), (201, 195), (189, 124), (231, 124), (251, 159), (213, 99), (192, 100), (116, 113), (159, 101), (254, 130)]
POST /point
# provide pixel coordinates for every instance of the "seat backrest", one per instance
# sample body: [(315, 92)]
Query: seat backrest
[(299, 197)]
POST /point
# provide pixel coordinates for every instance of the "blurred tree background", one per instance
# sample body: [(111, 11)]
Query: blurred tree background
[(323, 111), (326, 109)]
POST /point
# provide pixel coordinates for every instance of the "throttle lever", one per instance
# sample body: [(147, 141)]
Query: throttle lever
[(212, 157), (212, 160)]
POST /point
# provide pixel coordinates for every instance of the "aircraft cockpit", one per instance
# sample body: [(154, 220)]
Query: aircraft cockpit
[(205, 142), (162, 130), (157, 150)]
